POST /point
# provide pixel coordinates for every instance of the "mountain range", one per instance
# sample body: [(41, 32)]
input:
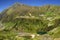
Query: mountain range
[(31, 19)]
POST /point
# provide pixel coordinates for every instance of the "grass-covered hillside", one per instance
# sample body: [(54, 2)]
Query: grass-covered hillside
[(20, 18)]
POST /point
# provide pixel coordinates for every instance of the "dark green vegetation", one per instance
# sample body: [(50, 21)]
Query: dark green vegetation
[(22, 18)]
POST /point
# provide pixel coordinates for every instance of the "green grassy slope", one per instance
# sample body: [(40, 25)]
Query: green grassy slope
[(30, 19)]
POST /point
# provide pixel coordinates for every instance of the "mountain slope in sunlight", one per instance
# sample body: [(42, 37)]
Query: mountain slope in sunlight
[(31, 19)]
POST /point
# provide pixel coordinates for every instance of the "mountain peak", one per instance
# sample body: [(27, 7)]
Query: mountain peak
[(18, 4)]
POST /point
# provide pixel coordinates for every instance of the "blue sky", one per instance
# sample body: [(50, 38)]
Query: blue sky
[(6, 3)]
